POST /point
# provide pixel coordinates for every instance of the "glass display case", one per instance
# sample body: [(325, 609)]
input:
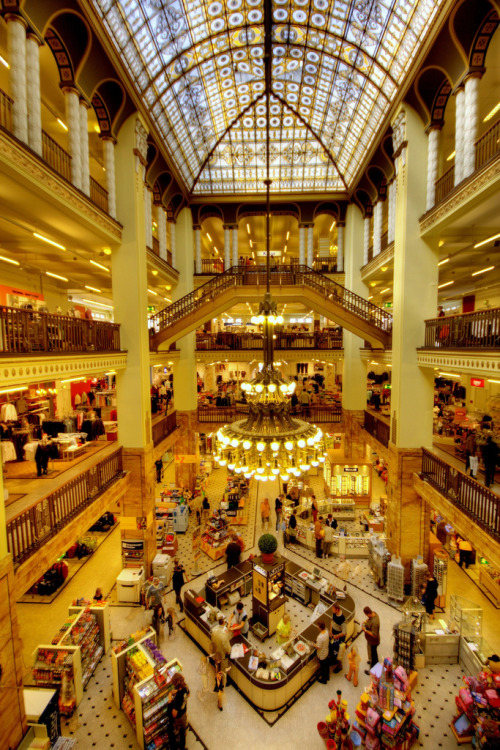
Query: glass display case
[(348, 480), (467, 616)]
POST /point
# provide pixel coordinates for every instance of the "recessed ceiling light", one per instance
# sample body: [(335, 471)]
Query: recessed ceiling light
[(9, 260), (4, 62), (447, 283), (56, 276), (492, 113), (451, 156), (485, 242), (209, 238), (62, 124), (99, 265), (152, 292), (106, 250), (155, 273), (385, 290), (46, 239), (442, 262), (101, 304), (483, 270), (92, 289), (333, 224), (248, 228)]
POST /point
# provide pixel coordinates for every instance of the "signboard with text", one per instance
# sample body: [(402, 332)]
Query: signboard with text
[(477, 382)]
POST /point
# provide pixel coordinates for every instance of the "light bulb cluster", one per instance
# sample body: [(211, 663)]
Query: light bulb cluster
[(268, 390), (273, 319)]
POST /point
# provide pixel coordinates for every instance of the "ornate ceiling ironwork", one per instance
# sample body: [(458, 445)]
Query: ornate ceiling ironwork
[(199, 67)]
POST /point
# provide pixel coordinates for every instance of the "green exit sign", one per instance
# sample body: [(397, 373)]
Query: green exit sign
[(387, 304), (151, 308)]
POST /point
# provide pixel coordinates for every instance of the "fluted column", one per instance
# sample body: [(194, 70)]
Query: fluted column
[(366, 238), (459, 135), (84, 137), (235, 246), (227, 248), (471, 105), (33, 93), (302, 245), (310, 245), (16, 46), (161, 221), (340, 248), (391, 211), (197, 248), (432, 165), (148, 216), (108, 149), (377, 228), (173, 250), (72, 102)]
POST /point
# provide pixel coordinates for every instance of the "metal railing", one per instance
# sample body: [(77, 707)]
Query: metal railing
[(210, 266), (325, 265), (377, 428), (99, 195), (474, 330), (164, 427), (478, 502), (317, 414), (6, 104), (27, 331), (283, 340), (488, 145), (296, 275), (445, 184), (56, 157), (33, 527)]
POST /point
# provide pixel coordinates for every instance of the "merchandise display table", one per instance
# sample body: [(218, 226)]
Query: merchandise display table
[(72, 452)]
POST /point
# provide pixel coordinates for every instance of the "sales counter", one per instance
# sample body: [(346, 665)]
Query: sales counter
[(290, 667)]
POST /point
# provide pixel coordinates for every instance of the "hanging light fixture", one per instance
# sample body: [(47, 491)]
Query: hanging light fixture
[(270, 442)]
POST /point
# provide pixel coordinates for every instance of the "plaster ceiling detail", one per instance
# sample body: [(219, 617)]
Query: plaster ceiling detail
[(337, 65)]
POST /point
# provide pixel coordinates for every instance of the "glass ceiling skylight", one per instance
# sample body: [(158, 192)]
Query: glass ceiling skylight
[(199, 67)]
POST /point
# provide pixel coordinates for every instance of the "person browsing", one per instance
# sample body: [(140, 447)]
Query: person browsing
[(241, 624)]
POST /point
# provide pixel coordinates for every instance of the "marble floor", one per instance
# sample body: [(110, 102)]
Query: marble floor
[(98, 722)]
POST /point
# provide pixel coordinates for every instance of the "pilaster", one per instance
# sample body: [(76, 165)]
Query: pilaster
[(33, 93), (354, 369), (186, 448), (340, 248), (108, 147), (354, 443), (72, 102), (138, 520), (459, 135), (235, 245), (302, 244), (16, 46), (84, 148)]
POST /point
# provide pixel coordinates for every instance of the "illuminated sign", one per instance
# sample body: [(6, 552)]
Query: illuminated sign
[(477, 382)]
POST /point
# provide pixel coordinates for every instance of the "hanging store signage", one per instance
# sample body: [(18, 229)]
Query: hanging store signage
[(477, 382), (351, 468)]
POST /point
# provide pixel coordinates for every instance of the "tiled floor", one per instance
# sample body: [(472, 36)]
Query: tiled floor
[(99, 723)]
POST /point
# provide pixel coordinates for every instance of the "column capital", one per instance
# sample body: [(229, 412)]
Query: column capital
[(85, 103), (230, 226), (459, 87), (12, 16), (68, 88), (197, 227), (399, 138), (340, 224), (32, 36), (305, 224), (171, 220), (474, 73), (107, 137), (434, 125)]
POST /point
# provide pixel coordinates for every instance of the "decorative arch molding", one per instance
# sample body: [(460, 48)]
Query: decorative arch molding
[(177, 202), (113, 97), (160, 187), (364, 201), (334, 209), (465, 21), (440, 102), (207, 211), (483, 39), (277, 209), (62, 58), (102, 114), (70, 39), (376, 177)]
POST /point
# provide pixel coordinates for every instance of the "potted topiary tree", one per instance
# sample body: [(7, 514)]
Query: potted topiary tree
[(268, 544)]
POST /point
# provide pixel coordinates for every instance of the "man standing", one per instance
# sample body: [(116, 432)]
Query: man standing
[(178, 582), (292, 527), (221, 645), (371, 629), (233, 552), (318, 535), (322, 644), (278, 507), (337, 636), (490, 457)]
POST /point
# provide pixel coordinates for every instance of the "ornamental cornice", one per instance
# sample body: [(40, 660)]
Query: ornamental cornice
[(480, 363), (34, 169), (459, 196), (375, 264), (162, 358), (37, 369), (383, 356), (288, 355)]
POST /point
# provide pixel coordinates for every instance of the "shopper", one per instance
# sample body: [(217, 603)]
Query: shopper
[(322, 647), (371, 629), (206, 509), (337, 636), (327, 539), (178, 582), (353, 665), (241, 624), (233, 552), (220, 682), (178, 711), (291, 532), (265, 513), (278, 508), (430, 590), (490, 457), (284, 629), (464, 552), (154, 593), (304, 402), (470, 450), (318, 536), (314, 509), (158, 620), (220, 644), (98, 597)]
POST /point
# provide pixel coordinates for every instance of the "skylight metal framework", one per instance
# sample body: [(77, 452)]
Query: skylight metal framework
[(199, 67)]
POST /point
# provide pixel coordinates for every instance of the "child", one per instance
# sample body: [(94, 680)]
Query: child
[(220, 679), (158, 620), (353, 664), (170, 620), (98, 597)]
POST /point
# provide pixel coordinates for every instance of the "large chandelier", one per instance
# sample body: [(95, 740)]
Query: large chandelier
[(270, 442)]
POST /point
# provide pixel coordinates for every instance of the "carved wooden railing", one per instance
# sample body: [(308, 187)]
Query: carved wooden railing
[(280, 275), (475, 500), (488, 145), (282, 340), (6, 104), (317, 414), (210, 266), (377, 428), (28, 331), (445, 184), (164, 427), (325, 265), (56, 157), (99, 195), (28, 531), (474, 330)]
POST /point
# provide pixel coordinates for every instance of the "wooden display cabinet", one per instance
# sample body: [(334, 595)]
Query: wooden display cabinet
[(268, 600)]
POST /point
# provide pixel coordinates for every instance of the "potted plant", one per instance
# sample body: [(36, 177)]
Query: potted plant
[(267, 544)]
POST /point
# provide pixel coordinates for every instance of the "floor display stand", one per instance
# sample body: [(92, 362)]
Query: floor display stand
[(378, 557), (478, 705), (396, 579), (215, 538), (418, 576), (268, 600), (336, 729)]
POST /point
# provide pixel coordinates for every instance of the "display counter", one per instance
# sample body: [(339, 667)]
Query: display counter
[(342, 546), (289, 668)]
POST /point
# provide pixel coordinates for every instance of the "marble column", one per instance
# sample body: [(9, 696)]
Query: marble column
[(471, 106), (16, 51), (197, 244), (161, 221), (33, 93), (459, 135), (227, 247), (130, 298), (432, 165), (235, 245), (84, 149), (72, 101), (148, 216), (108, 150), (173, 249), (366, 238), (302, 245), (391, 211), (310, 245), (340, 248), (377, 228)]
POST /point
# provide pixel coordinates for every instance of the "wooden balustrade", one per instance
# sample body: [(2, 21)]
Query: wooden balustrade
[(210, 266), (475, 500), (474, 330), (488, 145), (445, 184), (99, 195), (317, 414), (325, 265), (164, 427), (28, 331), (5, 111), (283, 340), (55, 156), (379, 429), (27, 531)]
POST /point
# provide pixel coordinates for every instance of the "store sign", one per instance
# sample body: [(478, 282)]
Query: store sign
[(351, 468), (460, 415), (184, 459), (477, 382)]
